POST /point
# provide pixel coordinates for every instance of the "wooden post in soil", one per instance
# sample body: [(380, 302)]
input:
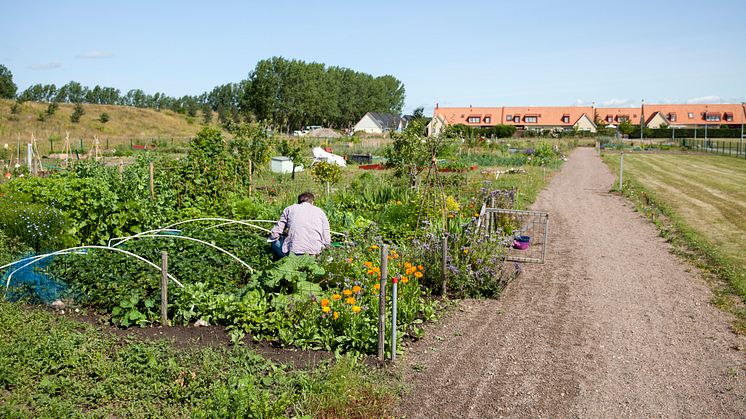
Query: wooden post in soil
[(164, 288), (152, 182), (443, 267), (382, 301), (251, 169)]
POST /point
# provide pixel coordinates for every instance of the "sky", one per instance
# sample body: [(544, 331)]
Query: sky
[(478, 53)]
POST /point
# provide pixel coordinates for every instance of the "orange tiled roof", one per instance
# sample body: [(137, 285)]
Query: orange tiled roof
[(544, 115), (697, 111)]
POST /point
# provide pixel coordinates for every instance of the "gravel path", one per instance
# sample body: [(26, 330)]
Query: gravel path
[(611, 325)]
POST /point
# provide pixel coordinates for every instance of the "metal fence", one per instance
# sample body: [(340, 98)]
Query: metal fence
[(727, 148), (524, 233)]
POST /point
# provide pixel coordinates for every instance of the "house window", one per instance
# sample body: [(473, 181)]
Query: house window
[(516, 118), (509, 118), (691, 115), (729, 117), (566, 119), (530, 118), (473, 120), (712, 117), (609, 118), (623, 118), (672, 117), (487, 119)]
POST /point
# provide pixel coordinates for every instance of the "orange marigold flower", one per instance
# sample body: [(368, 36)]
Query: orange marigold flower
[(326, 309), (335, 315), (371, 272), (349, 260), (420, 267), (356, 289), (418, 274), (404, 279), (407, 265), (356, 309), (336, 297), (350, 300), (377, 287), (368, 265), (347, 292), (324, 302)]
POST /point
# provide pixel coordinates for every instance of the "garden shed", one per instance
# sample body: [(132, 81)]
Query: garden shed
[(282, 164)]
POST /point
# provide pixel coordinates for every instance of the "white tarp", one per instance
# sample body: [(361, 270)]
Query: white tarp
[(320, 155)]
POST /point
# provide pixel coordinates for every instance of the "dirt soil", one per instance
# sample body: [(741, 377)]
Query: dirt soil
[(612, 325)]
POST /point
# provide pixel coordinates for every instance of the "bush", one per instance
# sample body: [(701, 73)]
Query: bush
[(39, 226), (78, 111), (104, 118)]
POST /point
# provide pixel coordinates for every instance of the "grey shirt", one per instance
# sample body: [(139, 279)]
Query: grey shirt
[(308, 229)]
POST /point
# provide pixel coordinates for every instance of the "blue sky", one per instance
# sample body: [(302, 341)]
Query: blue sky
[(480, 53)]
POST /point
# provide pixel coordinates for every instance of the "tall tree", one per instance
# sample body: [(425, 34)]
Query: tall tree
[(7, 87)]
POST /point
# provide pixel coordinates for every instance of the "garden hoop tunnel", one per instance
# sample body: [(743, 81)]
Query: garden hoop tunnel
[(74, 250)]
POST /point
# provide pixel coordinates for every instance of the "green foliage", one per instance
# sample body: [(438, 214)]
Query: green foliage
[(15, 108), (104, 117), (7, 87), (52, 108), (626, 128), (543, 155), (39, 226), (57, 367), (326, 172), (293, 151), (466, 132), (410, 152), (78, 111)]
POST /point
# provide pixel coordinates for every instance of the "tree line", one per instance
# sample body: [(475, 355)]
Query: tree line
[(284, 94)]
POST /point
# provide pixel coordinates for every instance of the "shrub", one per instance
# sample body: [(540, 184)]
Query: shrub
[(78, 111), (104, 118), (40, 226)]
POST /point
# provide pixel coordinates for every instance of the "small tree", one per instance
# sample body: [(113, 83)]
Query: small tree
[(7, 87), (292, 152), (104, 118), (626, 128), (15, 108), (326, 173), (78, 111), (52, 108)]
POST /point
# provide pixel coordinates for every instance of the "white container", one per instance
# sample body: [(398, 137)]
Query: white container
[(283, 164)]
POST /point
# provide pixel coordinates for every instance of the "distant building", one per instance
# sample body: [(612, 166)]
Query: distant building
[(587, 118), (379, 123)]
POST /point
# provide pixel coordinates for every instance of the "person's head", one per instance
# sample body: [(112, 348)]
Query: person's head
[(305, 197)]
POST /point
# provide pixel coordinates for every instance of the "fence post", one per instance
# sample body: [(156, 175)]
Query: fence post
[(382, 301), (394, 284), (621, 170), (164, 288)]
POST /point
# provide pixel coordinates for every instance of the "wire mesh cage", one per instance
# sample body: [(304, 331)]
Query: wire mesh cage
[(524, 233)]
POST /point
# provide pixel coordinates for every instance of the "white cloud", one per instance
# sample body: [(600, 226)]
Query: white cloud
[(94, 55), (45, 66), (705, 99)]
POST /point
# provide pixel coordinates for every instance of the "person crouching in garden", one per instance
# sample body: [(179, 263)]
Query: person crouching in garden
[(307, 229)]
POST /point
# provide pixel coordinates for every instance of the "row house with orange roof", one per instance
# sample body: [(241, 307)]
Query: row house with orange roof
[(587, 118)]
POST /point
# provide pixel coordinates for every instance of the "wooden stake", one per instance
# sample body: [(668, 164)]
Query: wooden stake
[(251, 169), (152, 183), (164, 288), (382, 301), (443, 267)]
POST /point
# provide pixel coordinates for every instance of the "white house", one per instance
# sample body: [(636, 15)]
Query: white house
[(379, 123)]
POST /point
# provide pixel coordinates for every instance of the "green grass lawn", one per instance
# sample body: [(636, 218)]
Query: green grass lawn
[(705, 197)]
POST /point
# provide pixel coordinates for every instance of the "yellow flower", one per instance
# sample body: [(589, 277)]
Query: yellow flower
[(374, 247), (476, 214), (336, 297), (420, 267), (335, 315), (347, 292), (368, 265), (356, 289), (324, 302), (377, 287), (350, 300), (404, 279), (466, 251), (418, 274), (325, 309), (407, 265), (356, 309)]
